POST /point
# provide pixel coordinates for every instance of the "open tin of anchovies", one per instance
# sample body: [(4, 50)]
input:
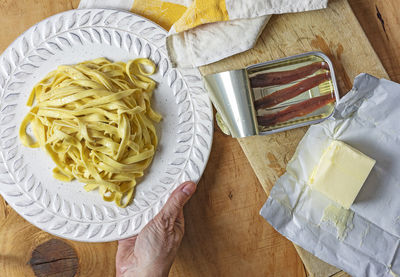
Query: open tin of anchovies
[(274, 96)]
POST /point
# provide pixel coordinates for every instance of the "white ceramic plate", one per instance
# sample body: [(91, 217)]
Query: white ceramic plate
[(65, 209)]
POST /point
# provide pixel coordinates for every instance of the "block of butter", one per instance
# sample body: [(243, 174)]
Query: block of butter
[(341, 172)]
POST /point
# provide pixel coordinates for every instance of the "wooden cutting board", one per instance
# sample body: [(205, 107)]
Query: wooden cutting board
[(214, 244), (334, 31), (224, 234)]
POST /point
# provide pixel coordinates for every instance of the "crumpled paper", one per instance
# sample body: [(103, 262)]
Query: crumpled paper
[(363, 241)]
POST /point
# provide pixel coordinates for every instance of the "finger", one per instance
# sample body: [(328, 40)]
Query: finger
[(128, 240), (178, 199), (125, 253), (128, 243), (180, 222)]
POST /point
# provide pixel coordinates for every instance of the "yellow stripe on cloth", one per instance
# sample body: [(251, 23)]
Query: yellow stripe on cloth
[(163, 13), (202, 12)]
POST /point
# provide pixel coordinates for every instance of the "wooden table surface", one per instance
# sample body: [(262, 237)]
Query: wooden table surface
[(225, 236)]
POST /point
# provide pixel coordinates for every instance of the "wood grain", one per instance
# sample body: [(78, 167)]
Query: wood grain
[(381, 21), (225, 236), (54, 257), (334, 31), (19, 239)]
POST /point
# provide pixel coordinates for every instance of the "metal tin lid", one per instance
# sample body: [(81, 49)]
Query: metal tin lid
[(275, 96), (229, 92)]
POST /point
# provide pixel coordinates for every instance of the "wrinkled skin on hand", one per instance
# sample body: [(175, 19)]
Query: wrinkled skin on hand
[(152, 252)]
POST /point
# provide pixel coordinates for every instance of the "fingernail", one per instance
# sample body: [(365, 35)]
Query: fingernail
[(189, 188)]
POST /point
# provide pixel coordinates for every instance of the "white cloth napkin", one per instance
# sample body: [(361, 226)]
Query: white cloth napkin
[(211, 42)]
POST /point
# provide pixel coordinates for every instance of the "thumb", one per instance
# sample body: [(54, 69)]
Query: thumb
[(178, 199), (125, 254)]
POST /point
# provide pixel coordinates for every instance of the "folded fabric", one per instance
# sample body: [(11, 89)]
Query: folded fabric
[(205, 31)]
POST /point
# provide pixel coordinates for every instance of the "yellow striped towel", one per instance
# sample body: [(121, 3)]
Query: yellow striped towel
[(205, 31)]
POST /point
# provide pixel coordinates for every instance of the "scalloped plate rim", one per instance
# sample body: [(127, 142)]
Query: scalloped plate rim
[(18, 40)]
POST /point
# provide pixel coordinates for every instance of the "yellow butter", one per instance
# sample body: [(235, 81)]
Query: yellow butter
[(341, 172)]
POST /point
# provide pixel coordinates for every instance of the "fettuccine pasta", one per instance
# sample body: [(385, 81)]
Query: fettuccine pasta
[(95, 121)]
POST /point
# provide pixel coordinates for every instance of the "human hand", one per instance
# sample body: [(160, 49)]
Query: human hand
[(152, 252)]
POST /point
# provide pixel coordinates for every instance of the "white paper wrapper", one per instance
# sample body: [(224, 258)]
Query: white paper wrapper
[(366, 243)]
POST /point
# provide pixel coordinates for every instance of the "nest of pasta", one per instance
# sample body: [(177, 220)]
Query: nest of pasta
[(96, 122)]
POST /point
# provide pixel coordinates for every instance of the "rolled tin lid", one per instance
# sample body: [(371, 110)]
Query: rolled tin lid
[(231, 95)]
